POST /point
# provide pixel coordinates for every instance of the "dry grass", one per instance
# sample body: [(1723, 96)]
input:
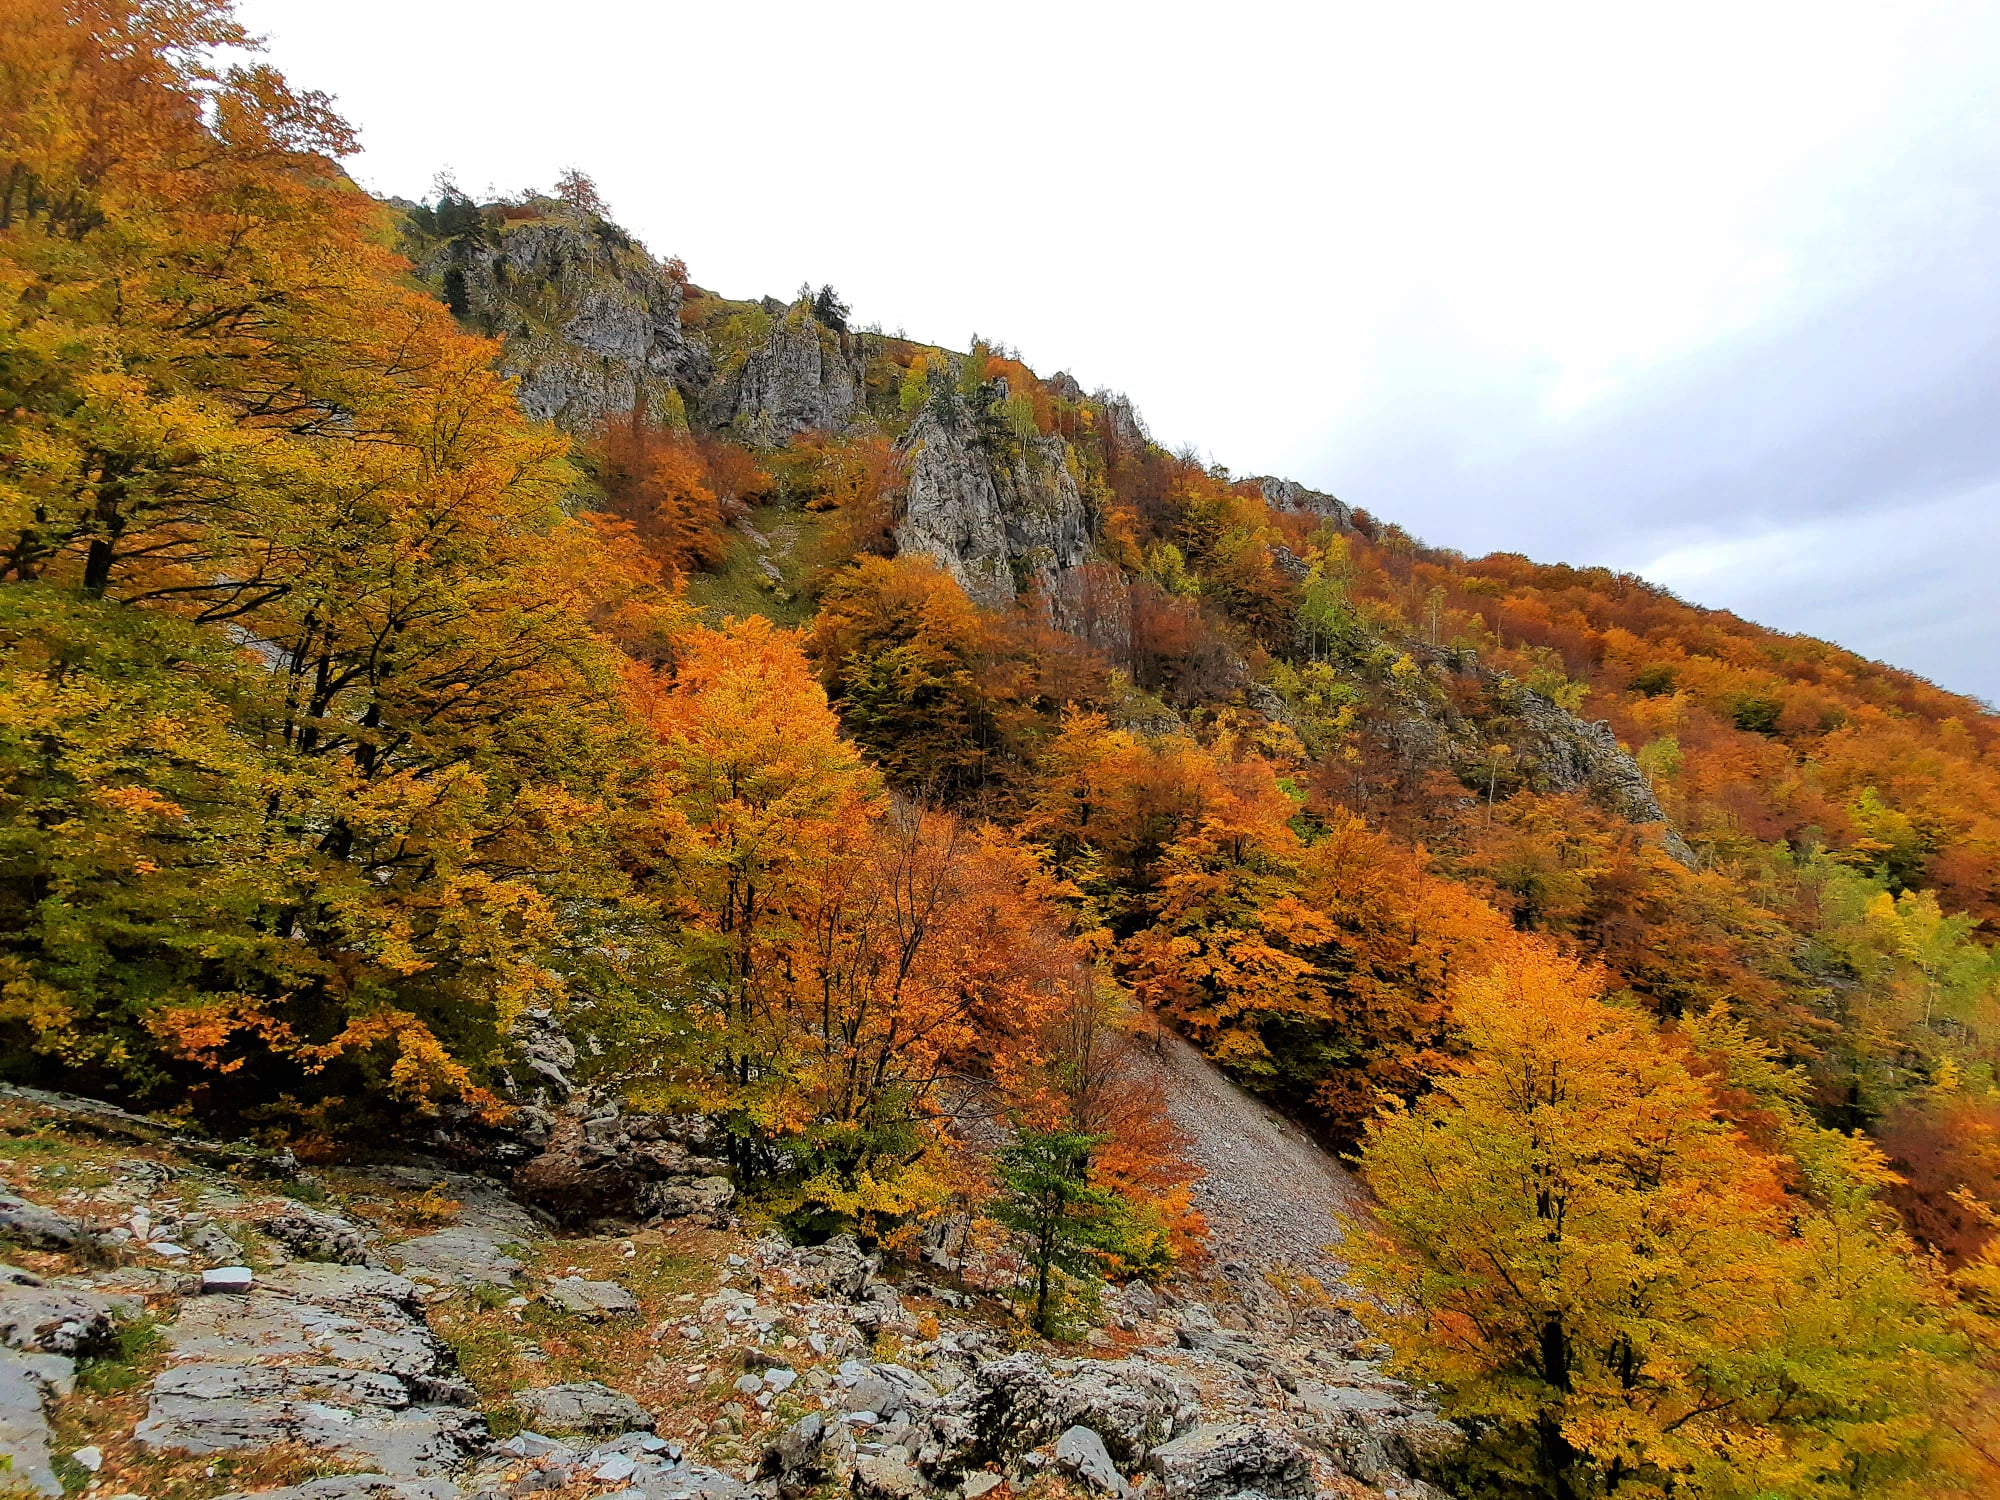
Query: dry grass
[(502, 1349)]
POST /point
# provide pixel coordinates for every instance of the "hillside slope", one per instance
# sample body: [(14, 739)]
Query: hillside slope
[(1715, 810)]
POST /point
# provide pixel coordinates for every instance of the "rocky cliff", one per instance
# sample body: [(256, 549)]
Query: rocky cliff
[(1001, 512), (1290, 495), (589, 322), (803, 377), (1575, 755)]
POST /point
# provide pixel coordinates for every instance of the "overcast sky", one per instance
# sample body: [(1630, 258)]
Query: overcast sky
[(1703, 292)]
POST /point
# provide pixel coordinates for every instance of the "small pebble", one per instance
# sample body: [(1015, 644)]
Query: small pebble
[(226, 1279), (90, 1458)]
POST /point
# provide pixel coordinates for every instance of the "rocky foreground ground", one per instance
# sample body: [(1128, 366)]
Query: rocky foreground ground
[(180, 1320)]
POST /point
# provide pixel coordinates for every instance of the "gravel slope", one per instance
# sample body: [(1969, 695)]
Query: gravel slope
[(1271, 1196)]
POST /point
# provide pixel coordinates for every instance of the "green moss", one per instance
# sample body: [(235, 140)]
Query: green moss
[(133, 1363)]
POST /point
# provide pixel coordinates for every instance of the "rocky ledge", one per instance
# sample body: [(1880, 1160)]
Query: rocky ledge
[(424, 1335)]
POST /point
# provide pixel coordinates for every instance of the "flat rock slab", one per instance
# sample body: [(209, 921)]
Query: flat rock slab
[(359, 1415), (358, 1487), (345, 1315), (586, 1406), (590, 1299), (27, 1383), (329, 1356), (459, 1256)]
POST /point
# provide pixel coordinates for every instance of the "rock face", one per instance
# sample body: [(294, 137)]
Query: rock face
[(578, 1156), (1290, 495), (1577, 756), (999, 513), (600, 1162), (589, 322), (805, 377)]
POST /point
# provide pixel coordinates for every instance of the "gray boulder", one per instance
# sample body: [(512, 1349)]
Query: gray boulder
[(36, 1227), (685, 1197), (1133, 1406), (881, 1309), (840, 1266), (1011, 1405), (586, 1406), (1217, 1460), (596, 1161), (1080, 1454), (316, 1236), (888, 1475), (892, 1392), (592, 1300), (54, 1321)]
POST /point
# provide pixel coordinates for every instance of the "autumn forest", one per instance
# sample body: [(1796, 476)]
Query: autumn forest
[(862, 743)]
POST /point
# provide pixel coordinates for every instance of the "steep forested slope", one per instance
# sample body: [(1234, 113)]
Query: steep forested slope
[(425, 665)]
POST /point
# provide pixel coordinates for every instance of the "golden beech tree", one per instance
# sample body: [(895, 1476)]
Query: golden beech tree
[(661, 482), (1617, 1291), (851, 961), (254, 481)]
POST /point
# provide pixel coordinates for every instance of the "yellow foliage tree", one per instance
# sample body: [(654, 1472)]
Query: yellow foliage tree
[(1616, 1291)]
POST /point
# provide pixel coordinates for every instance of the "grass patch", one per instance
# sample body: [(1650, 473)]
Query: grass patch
[(136, 1358), (741, 588)]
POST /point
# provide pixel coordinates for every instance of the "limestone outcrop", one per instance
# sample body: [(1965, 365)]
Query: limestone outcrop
[(1001, 513), (804, 377), (590, 324), (1290, 495)]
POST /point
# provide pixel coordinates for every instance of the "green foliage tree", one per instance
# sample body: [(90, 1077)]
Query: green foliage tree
[(829, 309), (1062, 1223), (916, 387)]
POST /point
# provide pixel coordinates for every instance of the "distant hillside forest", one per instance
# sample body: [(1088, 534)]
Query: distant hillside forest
[(421, 618)]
